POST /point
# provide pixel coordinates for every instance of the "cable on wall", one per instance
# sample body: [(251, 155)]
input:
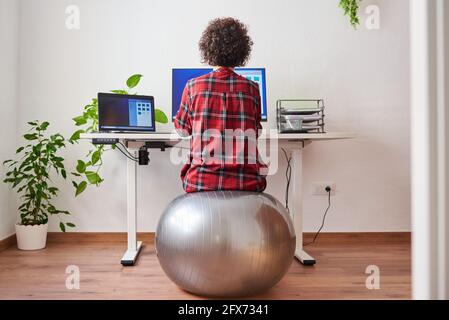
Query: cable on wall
[(288, 176), (328, 190)]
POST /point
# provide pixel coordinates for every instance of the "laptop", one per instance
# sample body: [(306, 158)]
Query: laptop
[(125, 113)]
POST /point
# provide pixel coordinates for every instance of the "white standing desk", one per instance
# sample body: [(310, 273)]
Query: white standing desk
[(294, 143)]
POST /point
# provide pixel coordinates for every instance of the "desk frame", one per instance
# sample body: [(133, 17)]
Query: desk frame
[(295, 143)]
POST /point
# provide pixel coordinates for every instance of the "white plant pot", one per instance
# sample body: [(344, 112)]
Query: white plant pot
[(31, 237)]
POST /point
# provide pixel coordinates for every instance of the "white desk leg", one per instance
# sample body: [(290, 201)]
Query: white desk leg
[(130, 256), (297, 196)]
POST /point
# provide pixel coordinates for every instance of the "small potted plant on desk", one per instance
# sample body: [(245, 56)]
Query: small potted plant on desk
[(30, 174)]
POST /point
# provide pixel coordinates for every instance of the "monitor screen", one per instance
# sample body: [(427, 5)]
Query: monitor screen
[(181, 76), (117, 112)]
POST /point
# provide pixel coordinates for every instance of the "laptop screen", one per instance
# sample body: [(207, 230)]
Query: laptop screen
[(118, 112)]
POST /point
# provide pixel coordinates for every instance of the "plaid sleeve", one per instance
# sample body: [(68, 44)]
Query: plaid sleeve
[(183, 122), (259, 108)]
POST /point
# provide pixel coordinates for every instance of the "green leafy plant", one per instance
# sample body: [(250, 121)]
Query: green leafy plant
[(30, 175), (87, 171), (351, 9)]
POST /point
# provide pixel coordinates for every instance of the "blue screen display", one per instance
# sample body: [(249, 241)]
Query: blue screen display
[(181, 76), (140, 113)]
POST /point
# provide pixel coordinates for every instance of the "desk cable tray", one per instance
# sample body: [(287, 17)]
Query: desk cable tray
[(300, 116)]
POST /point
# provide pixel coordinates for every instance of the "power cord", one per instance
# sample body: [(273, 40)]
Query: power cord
[(126, 150), (288, 177), (328, 190), (126, 154)]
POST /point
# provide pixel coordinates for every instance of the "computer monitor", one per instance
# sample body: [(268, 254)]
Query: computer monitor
[(119, 112), (181, 76)]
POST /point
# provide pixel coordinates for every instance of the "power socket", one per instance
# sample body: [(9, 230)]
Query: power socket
[(319, 188)]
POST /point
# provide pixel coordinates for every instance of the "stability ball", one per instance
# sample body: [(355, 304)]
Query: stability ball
[(225, 243)]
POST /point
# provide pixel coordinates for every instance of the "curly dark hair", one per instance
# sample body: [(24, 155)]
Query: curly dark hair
[(225, 43)]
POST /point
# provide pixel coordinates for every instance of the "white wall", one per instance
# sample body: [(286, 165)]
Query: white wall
[(9, 24), (309, 50)]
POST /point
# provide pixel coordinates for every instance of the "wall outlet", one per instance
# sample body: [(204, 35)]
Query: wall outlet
[(319, 188)]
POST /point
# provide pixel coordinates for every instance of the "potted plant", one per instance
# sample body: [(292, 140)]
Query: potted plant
[(30, 174)]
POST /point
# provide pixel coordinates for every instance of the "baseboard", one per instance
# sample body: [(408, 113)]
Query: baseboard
[(148, 237), (378, 237), (8, 242), (83, 237)]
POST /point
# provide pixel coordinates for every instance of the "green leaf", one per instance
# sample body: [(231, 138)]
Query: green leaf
[(37, 149), (71, 225), (30, 136), (81, 166), (58, 165), (133, 80), (96, 156), (63, 173), (7, 161), (32, 123), (160, 116), (62, 226), (76, 136), (17, 181), (76, 174), (20, 149), (92, 113), (80, 188), (53, 190), (119, 91), (80, 120), (351, 9), (44, 125), (93, 177)]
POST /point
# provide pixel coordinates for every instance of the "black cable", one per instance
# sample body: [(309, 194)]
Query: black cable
[(288, 176), (324, 219), (126, 150), (126, 155)]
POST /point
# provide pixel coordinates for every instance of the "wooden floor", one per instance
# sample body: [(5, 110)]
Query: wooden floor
[(339, 273)]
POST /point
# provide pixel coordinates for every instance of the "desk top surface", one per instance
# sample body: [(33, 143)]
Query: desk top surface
[(174, 137)]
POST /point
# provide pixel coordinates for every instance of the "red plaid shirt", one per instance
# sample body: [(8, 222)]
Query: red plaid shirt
[(221, 111)]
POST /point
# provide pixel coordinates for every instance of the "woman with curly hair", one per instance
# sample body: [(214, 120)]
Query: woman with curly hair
[(221, 111)]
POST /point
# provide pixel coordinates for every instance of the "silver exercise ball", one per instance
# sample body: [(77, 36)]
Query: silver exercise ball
[(225, 243)]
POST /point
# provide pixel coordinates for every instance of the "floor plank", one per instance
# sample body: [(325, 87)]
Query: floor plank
[(338, 274)]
